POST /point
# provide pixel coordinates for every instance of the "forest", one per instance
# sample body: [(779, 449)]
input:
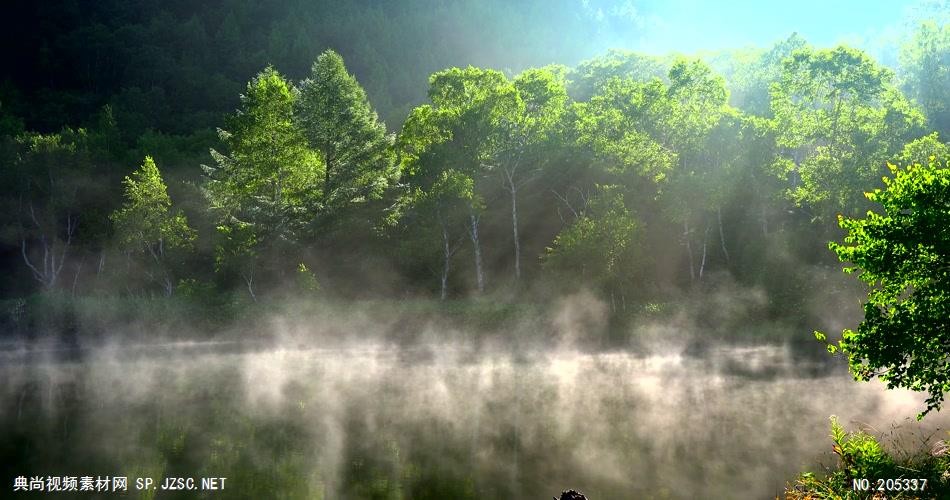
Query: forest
[(634, 175), (193, 170)]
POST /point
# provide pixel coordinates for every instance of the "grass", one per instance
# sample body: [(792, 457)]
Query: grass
[(906, 461)]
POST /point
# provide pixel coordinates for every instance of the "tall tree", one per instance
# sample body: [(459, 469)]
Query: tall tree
[(147, 228), (337, 120), (541, 98), (925, 67), (695, 102), (839, 117), (461, 131), (267, 185), (600, 244)]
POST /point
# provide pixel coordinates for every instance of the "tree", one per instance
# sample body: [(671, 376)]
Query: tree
[(51, 194), (541, 98), (839, 117), (441, 204), (903, 254), (921, 150), (749, 73), (589, 77), (925, 65), (461, 131), (695, 103), (600, 244), (264, 191), (337, 120), (146, 227)]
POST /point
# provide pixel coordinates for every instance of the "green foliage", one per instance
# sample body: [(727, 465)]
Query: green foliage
[(146, 219), (863, 456), (263, 193), (270, 177), (697, 98), (923, 149), (903, 253), (925, 65), (840, 117), (146, 227), (750, 73), (498, 157), (55, 199), (306, 280), (237, 251), (335, 116), (591, 76), (616, 124), (602, 243)]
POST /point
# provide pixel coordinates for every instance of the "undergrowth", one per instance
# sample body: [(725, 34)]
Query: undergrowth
[(915, 467)]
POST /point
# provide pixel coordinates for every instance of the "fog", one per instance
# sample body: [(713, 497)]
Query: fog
[(448, 420), (421, 249)]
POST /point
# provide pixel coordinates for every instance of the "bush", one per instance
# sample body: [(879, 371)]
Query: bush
[(862, 456)]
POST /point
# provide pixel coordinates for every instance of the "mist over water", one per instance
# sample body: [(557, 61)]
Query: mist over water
[(443, 421)]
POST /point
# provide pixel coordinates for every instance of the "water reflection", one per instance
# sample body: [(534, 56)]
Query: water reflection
[(440, 422)]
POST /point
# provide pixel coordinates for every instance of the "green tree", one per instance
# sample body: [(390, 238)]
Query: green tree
[(541, 97), (921, 150), (269, 182), (600, 244), (439, 205), (839, 117), (696, 102), (750, 72), (53, 196), (146, 227), (461, 131), (337, 120), (925, 66), (589, 77), (903, 254)]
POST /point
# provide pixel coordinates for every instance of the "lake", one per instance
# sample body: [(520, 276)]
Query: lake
[(439, 421)]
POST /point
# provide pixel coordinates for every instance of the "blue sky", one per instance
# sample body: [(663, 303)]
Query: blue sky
[(690, 25)]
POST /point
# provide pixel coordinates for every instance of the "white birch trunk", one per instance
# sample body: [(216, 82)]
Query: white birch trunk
[(702, 263), (722, 237), (447, 259), (689, 249), (477, 247)]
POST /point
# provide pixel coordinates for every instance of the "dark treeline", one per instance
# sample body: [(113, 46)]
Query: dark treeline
[(636, 176), (175, 67)]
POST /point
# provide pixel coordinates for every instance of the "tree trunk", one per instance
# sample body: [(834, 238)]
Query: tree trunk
[(477, 247), (722, 238), (702, 263), (51, 266), (249, 281), (689, 249), (514, 228), (168, 284), (447, 258), (76, 276), (102, 262)]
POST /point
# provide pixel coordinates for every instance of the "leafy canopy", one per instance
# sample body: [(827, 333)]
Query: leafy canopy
[(336, 118), (903, 254), (839, 116), (270, 179), (145, 219)]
